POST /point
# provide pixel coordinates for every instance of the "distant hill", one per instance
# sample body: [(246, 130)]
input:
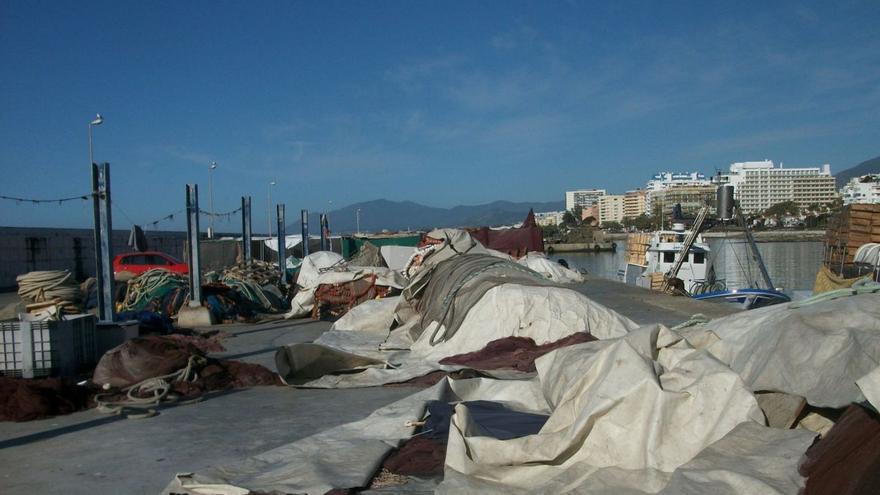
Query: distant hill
[(402, 215), (871, 166)]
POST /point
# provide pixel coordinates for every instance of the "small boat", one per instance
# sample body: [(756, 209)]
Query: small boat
[(747, 298)]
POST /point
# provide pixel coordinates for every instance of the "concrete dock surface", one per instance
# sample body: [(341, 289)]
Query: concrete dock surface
[(88, 452)]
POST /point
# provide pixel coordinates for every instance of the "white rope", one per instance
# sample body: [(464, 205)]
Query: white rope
[(149, 392)]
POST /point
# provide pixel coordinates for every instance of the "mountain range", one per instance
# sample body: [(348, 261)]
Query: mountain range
[(383, 214), (871, 166)]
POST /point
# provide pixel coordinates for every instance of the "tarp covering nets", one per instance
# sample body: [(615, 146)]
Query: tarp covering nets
[(641, 410)]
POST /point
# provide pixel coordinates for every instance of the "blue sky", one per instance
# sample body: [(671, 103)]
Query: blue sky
[(443, 103)]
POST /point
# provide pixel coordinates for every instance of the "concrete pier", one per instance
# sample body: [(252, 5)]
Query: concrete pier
[(87, 452)]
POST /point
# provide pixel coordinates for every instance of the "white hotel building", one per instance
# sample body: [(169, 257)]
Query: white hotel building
[(864, 189), (760, 185)]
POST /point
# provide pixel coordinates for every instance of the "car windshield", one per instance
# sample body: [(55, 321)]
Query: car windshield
[(172, 259)]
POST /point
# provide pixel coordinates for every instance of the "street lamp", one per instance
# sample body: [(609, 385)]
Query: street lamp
[(358, 217), (211, 197), (97, 121), (269, 206), (327, 221)]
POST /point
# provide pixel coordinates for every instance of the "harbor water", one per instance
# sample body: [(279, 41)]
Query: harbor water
[(792, 265)]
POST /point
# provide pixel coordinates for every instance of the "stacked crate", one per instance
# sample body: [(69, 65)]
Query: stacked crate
[(855, 225), (637, 248)]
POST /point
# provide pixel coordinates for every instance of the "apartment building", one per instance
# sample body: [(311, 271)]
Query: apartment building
[(584, 198), (691, 197), (664, 180), (634, 203), (611, 208)]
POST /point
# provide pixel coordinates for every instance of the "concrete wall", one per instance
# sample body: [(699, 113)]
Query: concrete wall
[(24, 250)]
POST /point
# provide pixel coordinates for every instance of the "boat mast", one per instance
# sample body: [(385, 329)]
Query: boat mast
[(756, 255)]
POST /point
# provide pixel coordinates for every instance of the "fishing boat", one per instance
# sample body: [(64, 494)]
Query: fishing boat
[(659, 256), (680, 261)]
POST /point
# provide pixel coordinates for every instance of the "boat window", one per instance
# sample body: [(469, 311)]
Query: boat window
[(699, 258), (668, 256)]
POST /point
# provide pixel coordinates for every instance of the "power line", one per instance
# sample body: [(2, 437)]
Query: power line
[(39, 201)]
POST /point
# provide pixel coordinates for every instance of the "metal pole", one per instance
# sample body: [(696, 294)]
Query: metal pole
[(211, 197), (321, 221), (269, 207), (194, 254), (282, 245), (246, 229), (103, 244), (304, 220), (358, 217), (91, 159)]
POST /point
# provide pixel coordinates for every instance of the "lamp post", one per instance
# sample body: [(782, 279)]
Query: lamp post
[(269, 206), (211, 197), (358, 218), (97, 121), (327, 219)]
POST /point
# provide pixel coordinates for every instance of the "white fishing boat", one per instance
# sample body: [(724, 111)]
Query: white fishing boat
[(660, 256)]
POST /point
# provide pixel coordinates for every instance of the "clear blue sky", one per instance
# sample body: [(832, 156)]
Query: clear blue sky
[(436, 102)]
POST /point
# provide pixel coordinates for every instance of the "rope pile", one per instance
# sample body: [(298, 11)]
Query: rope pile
[(150, 392), (150, 286), (257, 281), (258, 271), (41, 289)]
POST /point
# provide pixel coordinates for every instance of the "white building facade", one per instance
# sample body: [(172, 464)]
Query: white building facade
[(663, 180), (584, 198), (547, 218), (864, 189), (760, 185), (611, 208)]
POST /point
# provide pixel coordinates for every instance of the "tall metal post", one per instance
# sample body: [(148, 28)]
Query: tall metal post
[(246, 229), (103, 244), (194, 251), (304, 220), (322, 221), (282, 244)]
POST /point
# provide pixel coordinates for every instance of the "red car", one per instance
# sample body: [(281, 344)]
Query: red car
[(138, 263)]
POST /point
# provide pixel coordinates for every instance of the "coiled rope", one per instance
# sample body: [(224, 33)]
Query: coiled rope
[(150, 392), (150, 285), (43, 286)]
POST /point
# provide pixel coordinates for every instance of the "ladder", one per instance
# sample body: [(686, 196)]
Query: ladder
[(685, 248)]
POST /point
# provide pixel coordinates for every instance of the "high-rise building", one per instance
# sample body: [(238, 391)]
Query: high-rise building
[(611, 208), (584, 198), (634, 203), (760, 185), (691, 197), (864, 189)]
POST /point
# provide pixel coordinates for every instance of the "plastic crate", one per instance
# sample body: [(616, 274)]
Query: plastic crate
[(32, 349)]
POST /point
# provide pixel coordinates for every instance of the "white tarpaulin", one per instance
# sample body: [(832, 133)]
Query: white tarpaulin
[(396, 256), (325, 267), (314, 265), (816, 351), (550, 269), (290, 242), (645, 413)]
